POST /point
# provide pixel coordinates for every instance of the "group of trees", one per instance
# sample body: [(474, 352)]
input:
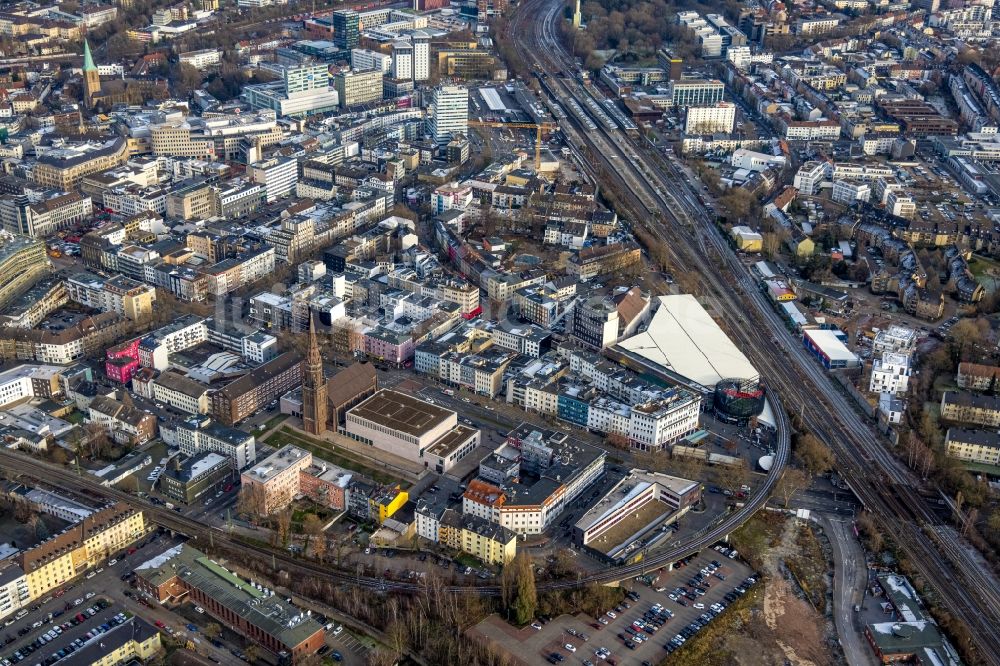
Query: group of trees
[(517, 590)]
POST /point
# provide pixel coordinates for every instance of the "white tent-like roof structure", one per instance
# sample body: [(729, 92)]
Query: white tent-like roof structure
[(685, 340)]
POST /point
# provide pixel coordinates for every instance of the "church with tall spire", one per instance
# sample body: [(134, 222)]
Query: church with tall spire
[(91, 77), (314, 390)]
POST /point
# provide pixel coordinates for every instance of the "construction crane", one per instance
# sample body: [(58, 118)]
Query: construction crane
[(538, 127)]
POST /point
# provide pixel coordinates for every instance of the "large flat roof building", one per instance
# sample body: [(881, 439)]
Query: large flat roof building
[(411, 429), (629, 517), (184, 573)]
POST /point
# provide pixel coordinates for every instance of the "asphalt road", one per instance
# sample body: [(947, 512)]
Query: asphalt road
[(849, 579)]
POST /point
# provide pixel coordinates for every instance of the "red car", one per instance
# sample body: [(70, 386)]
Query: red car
[(160, 624)]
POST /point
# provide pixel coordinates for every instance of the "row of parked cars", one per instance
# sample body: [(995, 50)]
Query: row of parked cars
[(25, 652), (641, 630), (710, 614)]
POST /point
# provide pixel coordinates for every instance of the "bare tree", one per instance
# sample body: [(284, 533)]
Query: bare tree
[(252, 501), (792, 481)]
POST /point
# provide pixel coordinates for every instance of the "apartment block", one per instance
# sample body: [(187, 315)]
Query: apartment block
[(972, 408), (975, 446)]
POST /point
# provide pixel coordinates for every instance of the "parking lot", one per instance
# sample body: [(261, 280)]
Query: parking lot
[(70, 611), (587, 636)]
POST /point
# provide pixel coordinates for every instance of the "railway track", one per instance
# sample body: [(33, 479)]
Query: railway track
[(662, 195)]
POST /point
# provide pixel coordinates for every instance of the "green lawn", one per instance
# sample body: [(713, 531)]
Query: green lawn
[(987, 271), (341, 458), (274, 421)]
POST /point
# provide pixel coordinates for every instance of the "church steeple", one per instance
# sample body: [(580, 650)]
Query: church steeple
[(88, 59), (314, 391), (91, 77)]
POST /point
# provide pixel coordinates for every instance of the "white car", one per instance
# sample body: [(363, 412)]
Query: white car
[(112, 562), (611, 614), (199, 609), (570, 647), (699, 606), (340, 628)]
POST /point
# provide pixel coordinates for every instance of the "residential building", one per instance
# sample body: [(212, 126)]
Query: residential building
[(975, 446), (890, 374), (897, 340), (402, 60), (22, 263), (713, 119), (695, 92), (421, 55), (973, 408), (278, 176), (84, 545), (362, 59), (198, 435), (553, 474), (130, 298), (90, 335), (14, 592), (526, 339), (487, 541), (976, 377), (273, 482), (180, 392), (124, 424)]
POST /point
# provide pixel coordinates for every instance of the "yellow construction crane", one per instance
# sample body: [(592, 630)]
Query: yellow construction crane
[(539, 127)]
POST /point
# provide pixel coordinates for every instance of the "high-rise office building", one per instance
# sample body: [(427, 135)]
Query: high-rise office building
[(449, 113), (402, 60), (358, 87), (302, 90), (421, 56), (346, 33)]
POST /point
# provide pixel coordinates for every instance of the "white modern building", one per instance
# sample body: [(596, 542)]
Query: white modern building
[(301, 91), (449, 113), (14, 593), (362, 59), (421, 55), (278, 175), (850, 193), (810, 177), (713, 119), (895, 339), (412, 429), (890, 374), (402, 60), (26, 381)]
